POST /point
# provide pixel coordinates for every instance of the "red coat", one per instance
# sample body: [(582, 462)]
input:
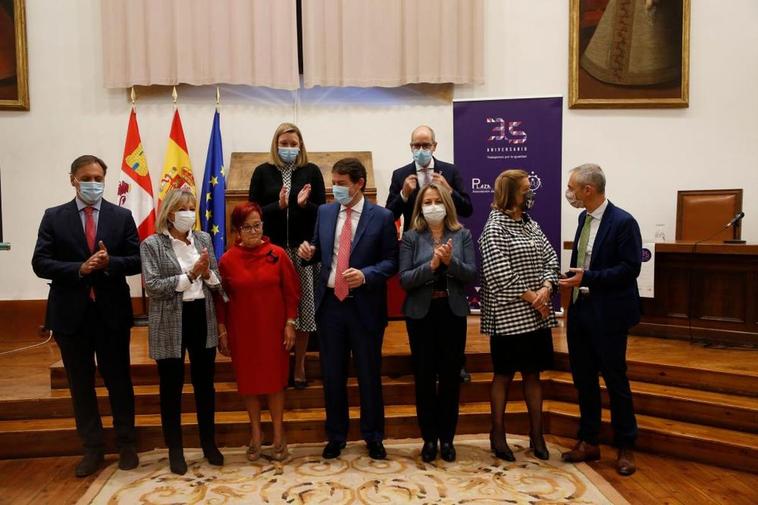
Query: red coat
[(264, 291)]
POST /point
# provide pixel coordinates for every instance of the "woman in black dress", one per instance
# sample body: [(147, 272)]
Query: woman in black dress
[(289, 189)]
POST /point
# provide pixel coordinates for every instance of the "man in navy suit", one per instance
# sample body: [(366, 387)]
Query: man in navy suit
[(605, 263), (425, 168), (87, 247), (356, 243)]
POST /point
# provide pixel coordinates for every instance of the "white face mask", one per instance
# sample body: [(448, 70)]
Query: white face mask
[(184, 220), (573, 200), (434, 214)]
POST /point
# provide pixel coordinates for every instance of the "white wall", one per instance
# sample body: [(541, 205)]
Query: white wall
[(648, 154)]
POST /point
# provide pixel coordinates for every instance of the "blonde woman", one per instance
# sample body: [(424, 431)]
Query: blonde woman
[(289, 190), (180, 275), (436, 261), (519, 273)]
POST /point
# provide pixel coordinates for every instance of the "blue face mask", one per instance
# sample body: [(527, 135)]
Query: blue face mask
[(288, 154), (342, 194), (91, 191), (422, 156)]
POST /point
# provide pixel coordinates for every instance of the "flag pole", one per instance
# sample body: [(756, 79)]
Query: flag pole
[(174, 95), (140, 319)]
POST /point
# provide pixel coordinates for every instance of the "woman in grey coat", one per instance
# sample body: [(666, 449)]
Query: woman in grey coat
[(436, 261), (180, 274)]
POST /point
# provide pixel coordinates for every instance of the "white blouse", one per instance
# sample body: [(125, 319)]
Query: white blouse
[(187, 255)]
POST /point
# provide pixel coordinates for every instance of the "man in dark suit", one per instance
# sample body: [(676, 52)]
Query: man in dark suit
[(356, 243), (605, 263), (87, 247), (425, 168)]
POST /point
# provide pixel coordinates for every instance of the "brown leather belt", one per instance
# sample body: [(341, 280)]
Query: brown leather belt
[(439, 294)]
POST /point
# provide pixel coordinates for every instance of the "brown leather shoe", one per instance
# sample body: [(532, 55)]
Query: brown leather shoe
[(625, 462), (582, 451)]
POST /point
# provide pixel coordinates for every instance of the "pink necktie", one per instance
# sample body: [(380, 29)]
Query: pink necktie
[(89, 232), (424, 177), (343, 257)]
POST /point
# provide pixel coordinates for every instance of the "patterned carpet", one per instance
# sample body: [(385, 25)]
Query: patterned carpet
[(475, 478)]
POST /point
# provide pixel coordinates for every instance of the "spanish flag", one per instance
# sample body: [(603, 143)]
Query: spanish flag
[(177, 169), (135, 190)]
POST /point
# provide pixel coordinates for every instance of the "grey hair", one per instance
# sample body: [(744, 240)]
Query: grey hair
[(590, 174), (431, 132)]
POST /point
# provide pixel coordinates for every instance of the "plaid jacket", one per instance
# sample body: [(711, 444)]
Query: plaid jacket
[(161, 271), (516, 257)]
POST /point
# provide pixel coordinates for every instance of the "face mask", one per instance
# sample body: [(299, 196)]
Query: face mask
[(434, 214), (573, 200), (342, 194), (91, 191), (288, 154), (184, 220), (528, 200), (422, 156)]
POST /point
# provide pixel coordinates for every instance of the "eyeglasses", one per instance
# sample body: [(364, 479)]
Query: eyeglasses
[(425, 147), (247, 228)]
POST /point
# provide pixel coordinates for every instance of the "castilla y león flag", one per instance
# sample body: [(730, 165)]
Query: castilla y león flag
[(135, 190)]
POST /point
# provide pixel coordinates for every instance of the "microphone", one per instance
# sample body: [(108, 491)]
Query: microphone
[(736, 219)]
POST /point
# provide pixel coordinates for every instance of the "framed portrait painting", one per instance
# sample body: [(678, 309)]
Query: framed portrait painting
[(14, 88), (629, 53)]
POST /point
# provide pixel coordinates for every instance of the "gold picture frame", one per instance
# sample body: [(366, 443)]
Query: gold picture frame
[(612, 62), (14, 69)]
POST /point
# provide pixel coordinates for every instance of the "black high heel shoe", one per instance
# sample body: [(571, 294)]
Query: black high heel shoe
[(539, 448), (504, 453)]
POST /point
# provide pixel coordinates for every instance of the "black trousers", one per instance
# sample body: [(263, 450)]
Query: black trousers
[(202, 371), (111, 347), (592, 352), (341, 331), (438, 343)]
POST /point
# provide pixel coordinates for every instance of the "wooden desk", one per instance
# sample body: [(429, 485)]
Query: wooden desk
[(713, 285)]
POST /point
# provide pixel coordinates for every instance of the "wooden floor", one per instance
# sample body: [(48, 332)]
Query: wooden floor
[(26, 374), (659, 480)]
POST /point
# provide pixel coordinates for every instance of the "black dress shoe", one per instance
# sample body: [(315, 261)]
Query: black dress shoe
[(429, 452), (300, 384), (176, 461), (465, 376), (333, 449), (539, 448), (447, 451), (501, 449), (90, 463), (128, 458), (376, 450), (213, 455)]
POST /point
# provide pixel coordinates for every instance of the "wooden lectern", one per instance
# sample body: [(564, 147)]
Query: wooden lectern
[(243, 165)]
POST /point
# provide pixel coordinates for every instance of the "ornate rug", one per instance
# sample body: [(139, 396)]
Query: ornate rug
[(476, 477)]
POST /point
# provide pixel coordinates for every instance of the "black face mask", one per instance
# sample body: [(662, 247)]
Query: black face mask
[(528, 200)]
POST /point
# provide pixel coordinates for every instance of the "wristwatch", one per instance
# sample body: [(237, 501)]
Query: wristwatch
[(291, 322)]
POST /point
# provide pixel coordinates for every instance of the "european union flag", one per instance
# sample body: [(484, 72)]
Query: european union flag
[(212, 201)]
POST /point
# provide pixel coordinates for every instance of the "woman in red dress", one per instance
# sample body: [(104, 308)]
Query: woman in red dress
[(257, 323)]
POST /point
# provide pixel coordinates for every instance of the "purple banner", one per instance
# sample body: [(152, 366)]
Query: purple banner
[(496, 135)]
